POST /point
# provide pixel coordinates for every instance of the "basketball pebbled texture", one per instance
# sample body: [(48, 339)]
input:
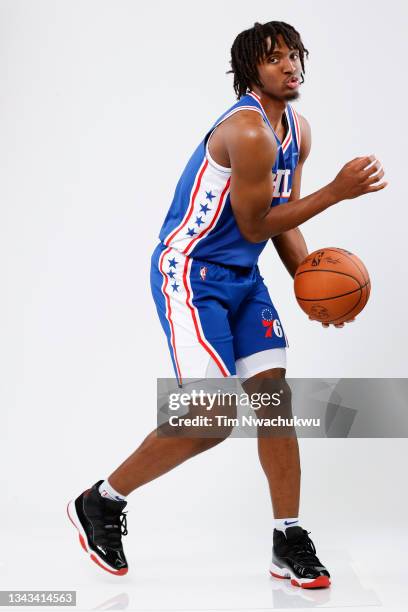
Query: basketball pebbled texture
[(332, 285)]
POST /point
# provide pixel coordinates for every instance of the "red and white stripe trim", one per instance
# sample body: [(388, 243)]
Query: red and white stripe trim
[(192, 352), (216, 216), (255, 97), (288, 138), (169, 312), (297, 128), (190, 208), (196, 320)]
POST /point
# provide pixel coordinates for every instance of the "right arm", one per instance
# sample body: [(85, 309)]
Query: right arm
[(252, 151)]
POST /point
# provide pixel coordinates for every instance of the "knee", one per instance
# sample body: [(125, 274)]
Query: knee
[(270, 393)]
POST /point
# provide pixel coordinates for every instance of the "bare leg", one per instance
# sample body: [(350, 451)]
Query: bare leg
[(159, 454), (279, 457), (154, 457)]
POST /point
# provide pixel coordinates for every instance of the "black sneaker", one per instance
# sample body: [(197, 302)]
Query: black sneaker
[(100, 523), (294, 557)]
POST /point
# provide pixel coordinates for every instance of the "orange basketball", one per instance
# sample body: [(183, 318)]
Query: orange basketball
[(332, 285)]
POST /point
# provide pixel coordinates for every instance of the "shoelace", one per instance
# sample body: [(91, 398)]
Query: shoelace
[(304, 550), (118, 522), (111, 530), (123, 523)]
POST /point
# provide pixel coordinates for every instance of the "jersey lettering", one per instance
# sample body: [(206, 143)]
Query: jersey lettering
[(279, 191)]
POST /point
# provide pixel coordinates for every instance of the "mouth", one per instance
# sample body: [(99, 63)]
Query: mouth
[(293, 82)]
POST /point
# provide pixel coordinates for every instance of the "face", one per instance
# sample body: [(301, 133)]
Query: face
[(280, 72)]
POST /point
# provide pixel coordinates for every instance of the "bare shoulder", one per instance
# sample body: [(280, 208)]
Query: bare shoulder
[(241, 139), (246, 124), (304, 126), (306, 137), (247, 136)]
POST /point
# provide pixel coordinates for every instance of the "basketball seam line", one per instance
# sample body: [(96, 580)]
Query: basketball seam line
[(334, 250), (333, 297), (341, 318), (334, 272)]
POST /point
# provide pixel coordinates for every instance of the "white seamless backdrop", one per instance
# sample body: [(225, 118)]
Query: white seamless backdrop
[(102, 103)]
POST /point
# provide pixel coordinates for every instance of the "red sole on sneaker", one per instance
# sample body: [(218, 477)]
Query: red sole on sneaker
[(322, 582), (82, 542), (277, 576), (94, 558)]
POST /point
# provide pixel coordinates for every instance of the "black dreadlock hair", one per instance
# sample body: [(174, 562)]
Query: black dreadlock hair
[(250, 46)]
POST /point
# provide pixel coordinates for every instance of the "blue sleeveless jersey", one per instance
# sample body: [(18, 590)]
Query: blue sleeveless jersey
[(200, 222)]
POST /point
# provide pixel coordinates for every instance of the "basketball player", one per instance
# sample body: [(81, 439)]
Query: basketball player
[(240, 188)]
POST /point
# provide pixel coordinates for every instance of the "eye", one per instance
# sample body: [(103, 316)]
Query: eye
[(272, 60), (295, 55)]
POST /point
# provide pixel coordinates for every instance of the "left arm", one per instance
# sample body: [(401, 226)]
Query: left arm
[(291, 245)]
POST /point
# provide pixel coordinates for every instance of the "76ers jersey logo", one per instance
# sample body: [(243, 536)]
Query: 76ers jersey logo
[(203, 272), (272, 325)]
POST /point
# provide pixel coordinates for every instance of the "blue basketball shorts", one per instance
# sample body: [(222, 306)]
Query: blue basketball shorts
[(219, 320)]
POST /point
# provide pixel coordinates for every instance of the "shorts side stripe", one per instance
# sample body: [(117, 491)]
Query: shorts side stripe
[(196, 320), (168, 313)]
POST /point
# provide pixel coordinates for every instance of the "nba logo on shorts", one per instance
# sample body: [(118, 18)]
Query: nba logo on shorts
[(203, 272)]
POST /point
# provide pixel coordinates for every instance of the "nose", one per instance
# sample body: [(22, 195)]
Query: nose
[(289, 66)]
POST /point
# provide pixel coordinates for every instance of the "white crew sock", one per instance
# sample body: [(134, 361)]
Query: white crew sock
[(283, 523), (106, 490)]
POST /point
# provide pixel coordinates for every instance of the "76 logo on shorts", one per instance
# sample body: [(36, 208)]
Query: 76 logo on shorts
[(272, 325)]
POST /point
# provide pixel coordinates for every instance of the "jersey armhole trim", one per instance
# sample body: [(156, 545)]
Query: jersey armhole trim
[(212, 161), (298, 131)]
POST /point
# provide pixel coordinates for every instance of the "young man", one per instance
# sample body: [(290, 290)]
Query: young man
[(240, 188)]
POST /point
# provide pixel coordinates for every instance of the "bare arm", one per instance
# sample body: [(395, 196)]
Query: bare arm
[(291, 248), (291, 245), (252, 151)]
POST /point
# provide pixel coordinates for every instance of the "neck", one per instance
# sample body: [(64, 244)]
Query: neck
[(273, 108)]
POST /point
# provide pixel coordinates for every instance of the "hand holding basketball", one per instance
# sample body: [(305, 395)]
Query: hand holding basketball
[(332, 286), (359, 176), (338, 325)]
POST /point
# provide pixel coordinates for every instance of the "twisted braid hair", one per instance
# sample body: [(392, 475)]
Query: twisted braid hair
[(251, 46)]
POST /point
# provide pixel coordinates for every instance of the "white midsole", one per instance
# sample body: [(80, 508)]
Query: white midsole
[(72, 513), (286, 572)]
